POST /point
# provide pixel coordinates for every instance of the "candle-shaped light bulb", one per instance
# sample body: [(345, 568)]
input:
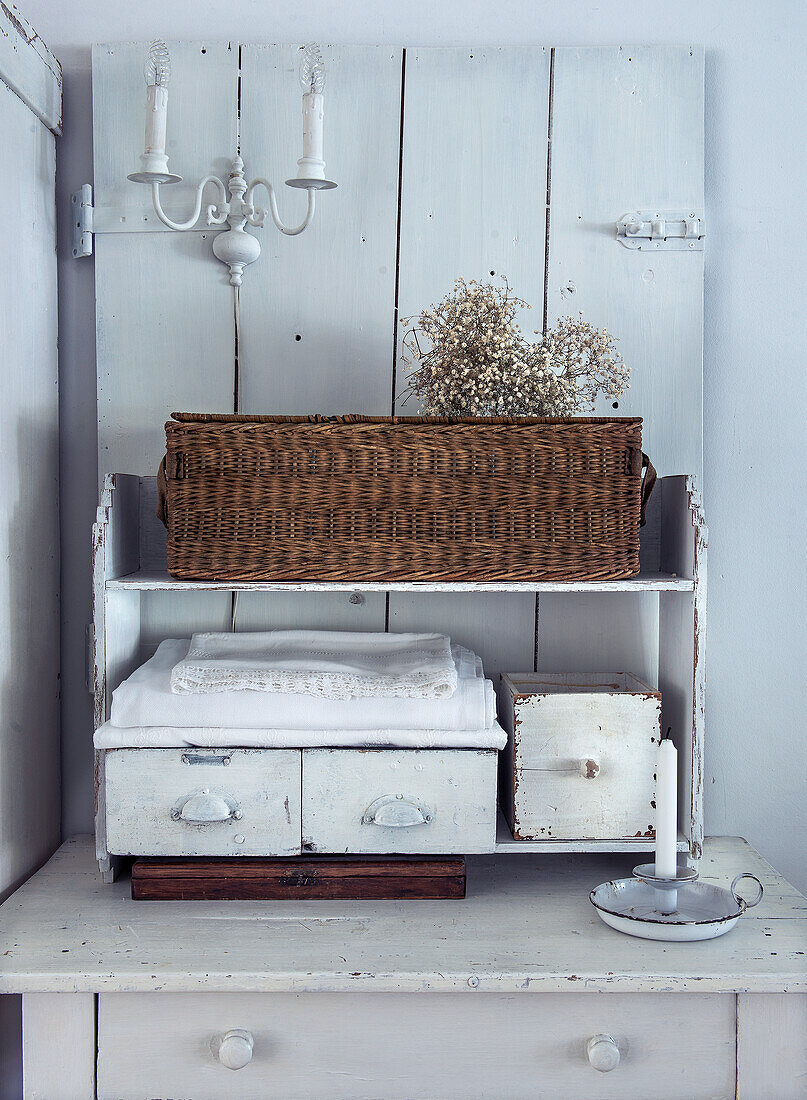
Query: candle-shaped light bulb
[(311, 165), (312, 81), (158, 64), (312, 69), (157, 72)]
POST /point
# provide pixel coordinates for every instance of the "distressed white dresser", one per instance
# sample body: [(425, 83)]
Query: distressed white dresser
[(495, 996)]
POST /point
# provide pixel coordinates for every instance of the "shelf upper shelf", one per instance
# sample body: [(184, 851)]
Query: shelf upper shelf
[(150, 580)]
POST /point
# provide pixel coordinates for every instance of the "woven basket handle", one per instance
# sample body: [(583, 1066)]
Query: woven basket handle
[(648, 481), (162, 495)]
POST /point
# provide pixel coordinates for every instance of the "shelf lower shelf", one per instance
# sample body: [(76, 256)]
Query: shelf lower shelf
[(505, 844), (155, 581)]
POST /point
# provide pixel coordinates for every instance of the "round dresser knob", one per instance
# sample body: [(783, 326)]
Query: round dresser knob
[(235, 1049), (603, 1053)]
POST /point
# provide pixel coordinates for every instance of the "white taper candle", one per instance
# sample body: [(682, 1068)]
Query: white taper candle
[(667, 810)]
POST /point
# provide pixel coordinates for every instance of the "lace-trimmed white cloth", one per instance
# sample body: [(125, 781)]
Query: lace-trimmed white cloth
[(330, 664), (146, 699)]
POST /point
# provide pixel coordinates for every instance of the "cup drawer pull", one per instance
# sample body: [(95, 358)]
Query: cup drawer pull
[(204, 808), (235, 1049), (396, 812)]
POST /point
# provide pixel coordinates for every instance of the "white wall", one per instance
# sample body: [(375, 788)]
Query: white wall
[(754, 370)]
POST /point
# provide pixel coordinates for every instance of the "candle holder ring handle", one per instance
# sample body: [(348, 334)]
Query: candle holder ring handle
[(216, 214), (741, 900), (258, 215)]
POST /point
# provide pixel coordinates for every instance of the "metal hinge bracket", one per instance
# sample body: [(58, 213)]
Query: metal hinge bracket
[(82, 221), (648, 230)]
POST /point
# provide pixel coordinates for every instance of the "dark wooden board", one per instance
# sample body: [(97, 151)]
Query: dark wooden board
[(302, 878)]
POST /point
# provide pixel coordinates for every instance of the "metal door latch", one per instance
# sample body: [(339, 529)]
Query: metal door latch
[(653, 231), (82, 221)]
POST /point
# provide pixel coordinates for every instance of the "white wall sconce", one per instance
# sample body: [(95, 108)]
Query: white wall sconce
[(235, 247)]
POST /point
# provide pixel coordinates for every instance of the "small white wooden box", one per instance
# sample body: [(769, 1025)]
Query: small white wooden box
[(581, 755)]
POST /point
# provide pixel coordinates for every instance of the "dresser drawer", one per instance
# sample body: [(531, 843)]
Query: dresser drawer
[(399, 800), (446, 1045), (203, 802)]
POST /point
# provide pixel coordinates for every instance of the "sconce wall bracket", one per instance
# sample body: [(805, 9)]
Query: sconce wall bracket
[(228, 218), (235, 247)]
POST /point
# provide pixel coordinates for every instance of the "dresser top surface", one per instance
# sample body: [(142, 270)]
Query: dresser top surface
[(526, 925)]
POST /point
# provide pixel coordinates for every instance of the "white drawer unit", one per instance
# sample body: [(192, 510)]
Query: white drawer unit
[(464, 1045), (581, 755), (203, 802), (399, 800)]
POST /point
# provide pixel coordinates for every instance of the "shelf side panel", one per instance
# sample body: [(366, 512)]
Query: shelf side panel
[(682, 640)]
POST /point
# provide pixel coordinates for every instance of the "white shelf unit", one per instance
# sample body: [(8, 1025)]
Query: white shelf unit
[(130, 563)]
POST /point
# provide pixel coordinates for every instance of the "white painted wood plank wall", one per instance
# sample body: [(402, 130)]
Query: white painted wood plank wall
[(30, 802), (29, 503)]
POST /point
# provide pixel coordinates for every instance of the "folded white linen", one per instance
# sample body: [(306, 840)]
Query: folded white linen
[(333, 664), (214, 737), (146, 699)]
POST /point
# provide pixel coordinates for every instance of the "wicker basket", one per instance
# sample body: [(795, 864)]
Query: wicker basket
[(412, 498)]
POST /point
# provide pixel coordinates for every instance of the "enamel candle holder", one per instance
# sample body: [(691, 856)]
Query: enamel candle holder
[(675, 909)]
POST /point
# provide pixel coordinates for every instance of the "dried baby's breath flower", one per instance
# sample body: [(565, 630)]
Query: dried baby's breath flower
[(466, 355)]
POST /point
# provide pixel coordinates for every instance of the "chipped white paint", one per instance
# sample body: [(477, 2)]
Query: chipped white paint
[(682, 646), (152, 581), (526, 926), (505, 844), (30, 70), (116, 621), (451, 1046), (447, 800), (581, 755), (203, 802)]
